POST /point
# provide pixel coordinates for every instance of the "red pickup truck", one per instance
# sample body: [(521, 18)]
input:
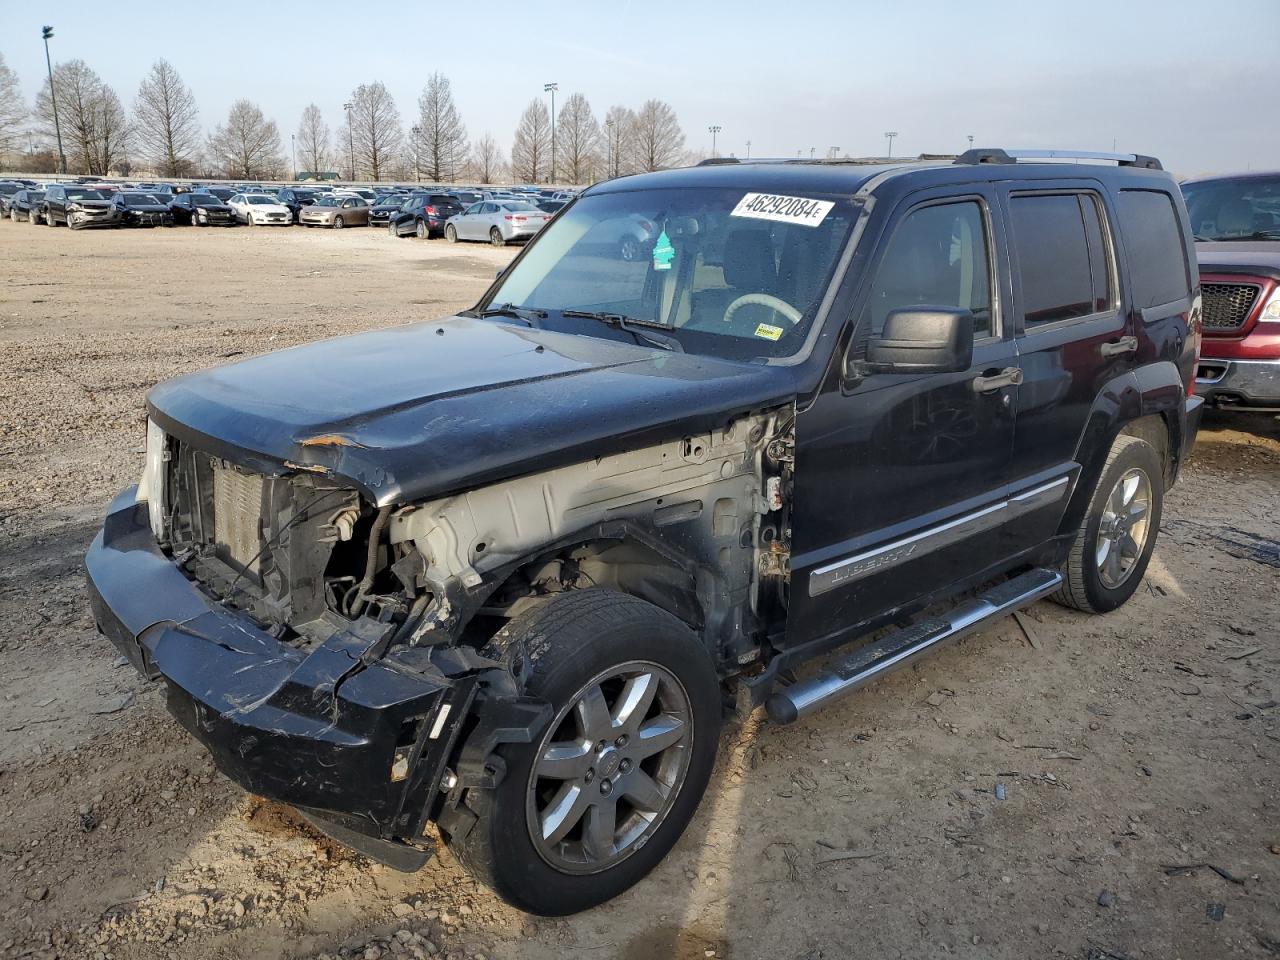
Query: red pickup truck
[(1236, 220)]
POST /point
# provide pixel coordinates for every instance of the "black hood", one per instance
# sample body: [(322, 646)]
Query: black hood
[(431, 408)]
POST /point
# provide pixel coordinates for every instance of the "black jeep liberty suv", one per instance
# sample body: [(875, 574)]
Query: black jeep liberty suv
[(505, 573)]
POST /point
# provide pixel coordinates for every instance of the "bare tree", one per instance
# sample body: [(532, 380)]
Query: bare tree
[(375, 130), (577, 141), (166, 121), (486, 159), (656, 138), (96, 131), (13, 112), (442, 134), (532, 144), (313, 140), (619, 123), (248, 145)]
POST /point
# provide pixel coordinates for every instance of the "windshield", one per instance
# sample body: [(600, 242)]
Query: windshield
[(1234, 208), (259, 199), (140, 199), (727, 272), (518, 205), (205, 198), (85, 195), (327, 202)]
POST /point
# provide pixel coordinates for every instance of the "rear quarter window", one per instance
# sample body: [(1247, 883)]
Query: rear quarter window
[(1155, 246)]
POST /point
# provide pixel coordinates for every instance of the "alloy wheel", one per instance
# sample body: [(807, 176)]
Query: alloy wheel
[(609, 768), (1123, 529)]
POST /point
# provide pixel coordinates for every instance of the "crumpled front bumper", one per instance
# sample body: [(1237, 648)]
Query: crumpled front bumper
[(361, 746)]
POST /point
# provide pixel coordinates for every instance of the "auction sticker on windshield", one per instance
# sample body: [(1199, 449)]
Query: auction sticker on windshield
[(770, 206)]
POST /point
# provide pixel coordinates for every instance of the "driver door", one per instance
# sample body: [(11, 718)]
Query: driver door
[(900, 478)]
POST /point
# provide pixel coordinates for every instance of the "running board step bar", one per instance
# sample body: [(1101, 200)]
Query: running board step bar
[(877, 659)]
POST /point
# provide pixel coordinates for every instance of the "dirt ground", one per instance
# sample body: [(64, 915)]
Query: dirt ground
[(1089, 787)]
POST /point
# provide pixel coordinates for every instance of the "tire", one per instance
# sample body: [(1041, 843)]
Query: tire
[(560, 649), (391, 229), (630, 250), (496, 237), (450, 234), (32, 217), (1113, 544), (13, 215), (421, 231), (48, 219), (337, 222)]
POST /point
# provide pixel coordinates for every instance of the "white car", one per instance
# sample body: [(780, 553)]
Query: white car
[(258, 208)]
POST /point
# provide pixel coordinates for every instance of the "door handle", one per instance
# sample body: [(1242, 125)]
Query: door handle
[(1118, 348), (987, 382)]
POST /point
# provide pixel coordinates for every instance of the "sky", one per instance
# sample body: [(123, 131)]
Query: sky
[(1193, 83)]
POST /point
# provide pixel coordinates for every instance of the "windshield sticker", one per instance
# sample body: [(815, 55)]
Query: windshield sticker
[(663, 252), (770, 206), (768, 331)]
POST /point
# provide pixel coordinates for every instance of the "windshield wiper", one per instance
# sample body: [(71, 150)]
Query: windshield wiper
[(530, 316), (631, 325)]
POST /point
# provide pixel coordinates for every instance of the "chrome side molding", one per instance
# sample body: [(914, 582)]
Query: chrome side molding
[(848, 569)]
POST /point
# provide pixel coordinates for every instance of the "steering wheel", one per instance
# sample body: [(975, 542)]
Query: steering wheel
[(776, 304)]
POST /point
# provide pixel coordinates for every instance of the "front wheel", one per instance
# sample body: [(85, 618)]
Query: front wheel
[(1113, 544), (496, 237), (599, 798), (338, 223)]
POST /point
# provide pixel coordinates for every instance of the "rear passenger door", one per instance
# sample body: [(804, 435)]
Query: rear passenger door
[(1072, 336)]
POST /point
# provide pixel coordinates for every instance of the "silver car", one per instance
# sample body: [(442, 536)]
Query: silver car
[(336, 212), (498, 221)]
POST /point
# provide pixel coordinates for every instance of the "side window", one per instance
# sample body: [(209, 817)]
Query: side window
[(1156, 248), (938, 256), (1062, 257)]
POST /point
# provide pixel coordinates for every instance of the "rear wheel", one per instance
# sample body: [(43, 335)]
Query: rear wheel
[(48, 219), (596, 802), (1113, 545), (420, 228), (451, 234), (32, 217), (496, 237)]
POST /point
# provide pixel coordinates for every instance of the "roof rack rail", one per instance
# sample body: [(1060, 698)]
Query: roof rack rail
[(996, 155)]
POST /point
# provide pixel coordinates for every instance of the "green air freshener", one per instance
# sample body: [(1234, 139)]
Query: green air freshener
[(663, 252)]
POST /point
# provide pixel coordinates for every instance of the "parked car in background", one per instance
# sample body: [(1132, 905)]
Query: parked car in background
[(364, 193), (76, 206), (499, 222), (258, 208), (222, 193), (466, 197), (1236, 220), (201, 210), (295, 199), (424, 215), (388, 206), (25, 205), (336, 212), (7, 189), (133, 209), (550, 206)]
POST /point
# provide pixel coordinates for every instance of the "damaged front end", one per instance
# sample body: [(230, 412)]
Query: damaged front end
[(329, 651), (270, 604)]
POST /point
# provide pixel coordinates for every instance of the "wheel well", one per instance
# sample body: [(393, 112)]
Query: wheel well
[(627, 565), (1155, 430)]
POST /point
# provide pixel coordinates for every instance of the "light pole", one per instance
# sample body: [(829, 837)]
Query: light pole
[(608, 156), (889, 135), (812, 151), (417, 150), (551, 88), (748, 149), (47, 34), (971, 141), (713, 130), (293, 152), (351, 144)]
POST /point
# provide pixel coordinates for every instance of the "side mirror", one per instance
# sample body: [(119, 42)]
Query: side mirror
[(923, 340)]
